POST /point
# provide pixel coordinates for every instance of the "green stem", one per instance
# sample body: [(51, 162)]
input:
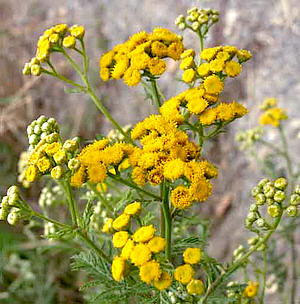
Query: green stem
[(264, 276), (99, 251), (168, 220), (44, 218), (215, 131), (129, 184), (239, 262), (71, 202), (155, 93), (162, 218)]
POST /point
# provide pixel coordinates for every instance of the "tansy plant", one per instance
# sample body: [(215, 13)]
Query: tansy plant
[(137, 247)]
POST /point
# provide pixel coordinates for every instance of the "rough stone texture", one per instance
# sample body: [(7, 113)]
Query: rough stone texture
[(269, 29)]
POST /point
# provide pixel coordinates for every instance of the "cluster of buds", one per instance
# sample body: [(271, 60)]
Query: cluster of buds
[(239, 252), (249, 137), (233, 290), (13, 207), (292, 209), (40, 128), (53, 40), (196, 18), (270, 193), (50, 196)]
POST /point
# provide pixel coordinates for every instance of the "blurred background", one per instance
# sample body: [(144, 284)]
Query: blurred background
[(269, 29)]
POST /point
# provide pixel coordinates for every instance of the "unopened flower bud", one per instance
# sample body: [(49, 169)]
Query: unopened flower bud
[(263, 182), (280, 183), (260, 222), (14, 217), (12, 189), (279, 196), (261, 247), (33, 139), (203, 19), (253, 208), (269, 190), (252, 241), (37, 130), (70, 145), (195, 26), (260, 199), (60, 157), (270, 201), (181, 26), (297, 189), (27, 69), (295, 199), (179, 19), (36, 70), (57, 172), (45, 126), (215, 19), (252, 216), (292, 211), (274, 211), (13, 199), (69, 42), (255, 191), (74, 164), (248, 223)]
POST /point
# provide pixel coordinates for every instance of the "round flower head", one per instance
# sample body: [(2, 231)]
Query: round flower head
[(121, 222), (140, 254), (192, 255), (144, 234), (251, 290), (188, 75), (195, 287), (43, 164), (132, 208), (96, 173), (57, 172), (181, 198), (120, 238), (150, 272), (213, 84), (77, 31), (118, 268), (163, 282), (174, 169), (184, 273), (31, 173), (127, 249), (204, 69), (69, 42), (157, 244), (233, 68)]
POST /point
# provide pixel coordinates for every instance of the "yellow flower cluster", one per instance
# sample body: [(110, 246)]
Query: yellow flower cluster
[(52, 40), (137, 248), (96, 158), (197, 101), (141, 55), (168, 153), (50, 156), (185, 273), (272, 114), (220, 62), (251, 290)]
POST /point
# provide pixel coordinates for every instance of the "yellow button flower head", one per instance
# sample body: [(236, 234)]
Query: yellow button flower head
[(181, 198), (233, 68), (132, 77), (175, 50), (243, 55), (201, 189), (209, 54), (196, 106), (79, 177), (118, 268), (60, 28), (192, 255), (77, 31), (120, 67), (174, 169), (138, 176), (195, 287), (268, 103), (163, 282), (188, 53), (184, 273), (208, 117), (69, 42), (223, 56), (273, 117), (157, 244), (150, 272), (156, 66), (35, 70), (159, 49), (31, 173), (187, 63), (52, 148), (203, 69), (57, 172), (127, 249), (225, 112), (120, 238), (44, 164), (60, 157), (216, 65), (213, 84), (188, 75), (107, 227), (54, 38), (121, 222), (96, 173), (140, 254), (144, 234), (251, 290), (132, 208)]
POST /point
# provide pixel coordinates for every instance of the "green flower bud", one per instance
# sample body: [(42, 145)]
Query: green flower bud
[(37, 130), (195, 26), (46, 127), (270, 201), (60, 157), (280, 183), (30, 130), (260, 222), (181, 26), (253, 208), (33, 139), (74, 164), (279, 196), (13, 217), (263, 182), (34, 60), (179, 19), (13, 199), (4, 211), (203, 19), (255, 191), (215, 19), (269, 190), (52, 138), (70, 145), (248, 223), (12, 189), (43, 135), (252, 241), (215, 12), (192, 9), (41, 119), (295, 199), (252, 216), (261, 247), (274, 211), (297, 189), (260, 199), (292, 211), (57, 172)]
